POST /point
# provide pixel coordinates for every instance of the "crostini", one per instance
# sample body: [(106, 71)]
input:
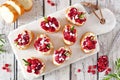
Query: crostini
[(34, 65), (43, 44), (24, 39), (27, 4), (75, 16), (69, 34), (61, 55), (88, 42), (50, 24), (16, 5), (8, 13)]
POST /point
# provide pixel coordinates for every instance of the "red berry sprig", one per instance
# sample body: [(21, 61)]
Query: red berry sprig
[(6, 67), (51, 2)]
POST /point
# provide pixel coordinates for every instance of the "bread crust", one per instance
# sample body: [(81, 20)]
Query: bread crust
[(51, 44), (18, 4), (13, 11), (83, 38), (31, 35), (58, 64), (26, 9), (67, 17)]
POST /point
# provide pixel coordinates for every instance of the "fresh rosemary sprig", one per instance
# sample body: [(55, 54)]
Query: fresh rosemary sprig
[(2, 42), (116, 74)]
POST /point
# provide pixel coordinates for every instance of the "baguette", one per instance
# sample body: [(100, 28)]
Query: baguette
[(69, 35), (76, 20), (8, 13), (25, 46), (17, 6), (34, 65), (88, 42), (61, 55), (43, 44), (27, 4)]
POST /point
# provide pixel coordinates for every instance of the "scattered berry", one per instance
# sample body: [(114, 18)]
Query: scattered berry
[(102, 63), (106, 72), (51, 2), (89, 71), (93, 71), (7, 65), (3, 68), (8, 70), (79, 70)]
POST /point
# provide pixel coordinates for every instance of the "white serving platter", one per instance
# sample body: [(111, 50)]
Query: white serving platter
[(92, 25)]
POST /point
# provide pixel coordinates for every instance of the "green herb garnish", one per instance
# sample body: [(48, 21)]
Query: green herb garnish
[(116, 74), (82, 16), (2, 42), (26, 62), (67, 53), (48, 46), (72, 28), (45, 18)]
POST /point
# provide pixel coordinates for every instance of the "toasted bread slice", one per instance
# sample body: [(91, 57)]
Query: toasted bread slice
[(31, 36), (27, 4), (38, 61), (8, 13), (68, 54), (73, 21), (17, 6), (90, 49), (73, 32), (41, 44)]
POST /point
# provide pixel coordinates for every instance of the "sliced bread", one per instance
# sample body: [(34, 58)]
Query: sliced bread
[(27, 4), (8, 13), (18, 7)]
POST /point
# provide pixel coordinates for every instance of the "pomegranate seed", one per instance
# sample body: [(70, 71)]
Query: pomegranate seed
[(3, 68), (90, 67), (52, 4), (8, 70), (79, 70), (94, 66), (48, 1), (102, 63), (109, 69), (89, 71), (106, 72), (7, 65), (93, 71)]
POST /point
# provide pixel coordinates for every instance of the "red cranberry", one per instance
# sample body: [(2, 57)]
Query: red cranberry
[(8, 70), (93, 71)]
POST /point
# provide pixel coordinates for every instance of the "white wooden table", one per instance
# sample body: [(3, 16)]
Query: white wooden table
[(41, 8)]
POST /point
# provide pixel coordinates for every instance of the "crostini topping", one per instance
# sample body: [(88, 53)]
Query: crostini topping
[(50, 24), (22, 39), (42, 44), (69, 33), (61, 55), (76, 15), (33, 65), (89, 43)]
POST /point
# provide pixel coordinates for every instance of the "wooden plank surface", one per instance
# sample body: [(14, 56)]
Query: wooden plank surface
[(41, 8)]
